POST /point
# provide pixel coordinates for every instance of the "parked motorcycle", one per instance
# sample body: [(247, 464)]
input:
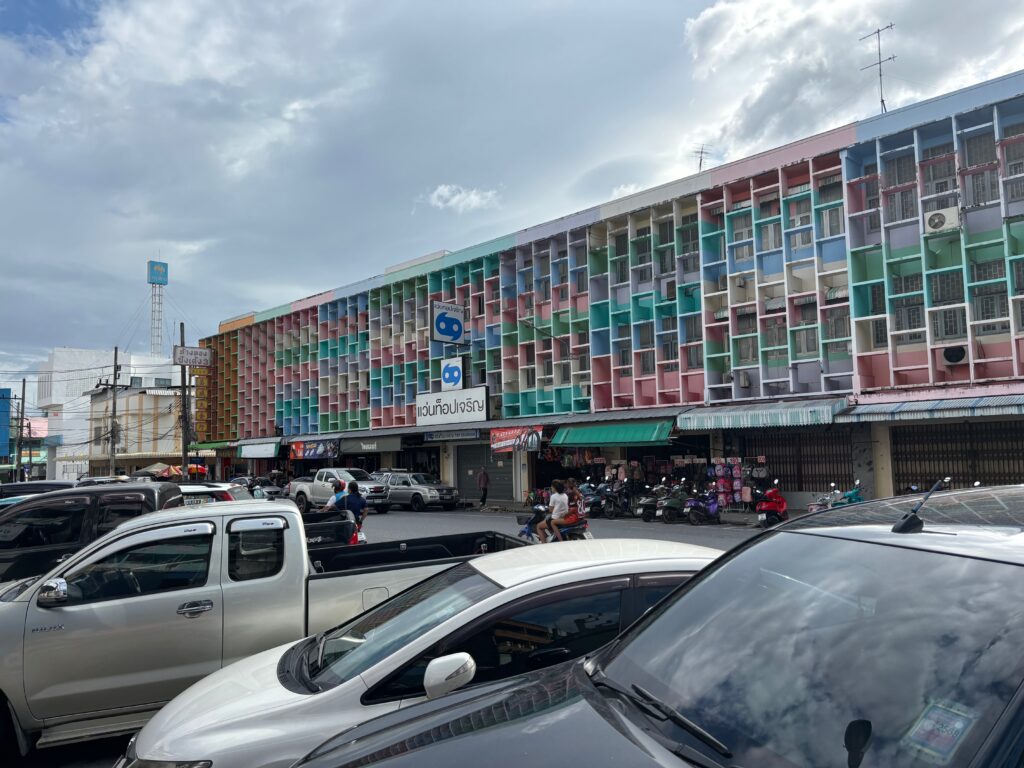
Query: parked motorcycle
[(703, 509), (672, 509), (852, 496), (772, 507), (823, 502), (576, 532), (647, 507), (596, 498)]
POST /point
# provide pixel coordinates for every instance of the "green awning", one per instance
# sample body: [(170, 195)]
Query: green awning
[(758, 415), (950, 408), (210, 446), (624, 434)]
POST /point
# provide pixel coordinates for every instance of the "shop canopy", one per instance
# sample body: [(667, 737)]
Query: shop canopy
[(759, 415), (210, 446), (624, 434), (953, 408), (264, 449)]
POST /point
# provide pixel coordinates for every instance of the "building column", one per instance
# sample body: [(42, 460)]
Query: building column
[(864, 465), (881, 451), (448, 465), (51, 462)]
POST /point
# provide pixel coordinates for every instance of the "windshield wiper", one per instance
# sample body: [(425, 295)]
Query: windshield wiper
[(651, 704)]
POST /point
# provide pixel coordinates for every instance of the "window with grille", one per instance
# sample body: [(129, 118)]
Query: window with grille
[(530, 378), (870, 169), (746, 351), (1014, 158), (666, 261), (800, 212), (796, 189), (907, 283), (908, 313), (693, 328), (742, 228), (689, 239), (1018, 276), (644, 274), (743, 253), (548, 366), (947, 288), (647, 363), (1015, 190), (988, 270), (624, 355), (900, 206), (690, 263), (830, 189), (837, 324), (939, 177), (800, 239), (771, 236), (581, 280), (669, 347), (805, 342), (937, 151), (879, 333), (643, 252), (621, 271), (746, 324), (563, 272), (645, 333), (621, 244), (665, 232), (775, 332), (941, 202), (980, 149), (981, 188), (876, 303), (583, 362), (899, 170), (949, 325), (990, 303), (833, 222), (694, 358), (874, 222), (768, 206), (807, 313)]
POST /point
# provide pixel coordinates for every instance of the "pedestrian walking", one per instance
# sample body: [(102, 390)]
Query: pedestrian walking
[(483, 482)]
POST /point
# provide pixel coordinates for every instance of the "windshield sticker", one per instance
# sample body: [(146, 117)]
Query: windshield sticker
[(939, 730)]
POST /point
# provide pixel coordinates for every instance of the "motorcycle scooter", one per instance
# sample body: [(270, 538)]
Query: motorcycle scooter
[(772, 508), (703, 509), (852, 496), (647, 507), (576, 532)]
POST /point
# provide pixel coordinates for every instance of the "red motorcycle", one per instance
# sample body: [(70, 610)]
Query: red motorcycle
[(772, 509)]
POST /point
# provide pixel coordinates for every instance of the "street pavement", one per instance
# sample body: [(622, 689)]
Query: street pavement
[(401, 524)]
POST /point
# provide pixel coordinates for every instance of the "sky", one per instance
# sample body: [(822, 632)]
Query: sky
[(272, 150)]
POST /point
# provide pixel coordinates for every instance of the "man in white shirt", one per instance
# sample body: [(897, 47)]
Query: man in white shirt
[(558, 508)]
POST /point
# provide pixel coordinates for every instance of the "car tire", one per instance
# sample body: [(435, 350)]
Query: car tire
[(449, 507), (302, 503), (9, 752), (383, 510), (416, 502)]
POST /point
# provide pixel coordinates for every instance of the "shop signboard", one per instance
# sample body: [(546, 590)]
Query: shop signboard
[(455, 407), (451, 374), (449, 323), (507, 439), (194, 357), (156, 272), (451, 435), (266, 450), (314, 449), (371, 444)]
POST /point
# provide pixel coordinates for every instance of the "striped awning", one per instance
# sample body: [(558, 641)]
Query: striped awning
[(951, 408), (757, 415)]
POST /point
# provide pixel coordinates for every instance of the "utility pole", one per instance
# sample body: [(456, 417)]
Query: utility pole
[(113, 418), (21, 430), (878, 38), (184, 412)]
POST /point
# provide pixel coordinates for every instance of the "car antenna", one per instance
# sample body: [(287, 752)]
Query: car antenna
[(910, 522)]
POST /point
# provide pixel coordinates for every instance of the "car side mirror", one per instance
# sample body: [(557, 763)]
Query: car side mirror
[(53, 593), (447, 674)]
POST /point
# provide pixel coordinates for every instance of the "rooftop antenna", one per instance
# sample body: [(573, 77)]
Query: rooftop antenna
[(910, 522), (877, 34), (704, 150)]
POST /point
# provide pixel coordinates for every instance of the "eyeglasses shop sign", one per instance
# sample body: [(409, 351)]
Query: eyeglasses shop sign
[(454, 407)]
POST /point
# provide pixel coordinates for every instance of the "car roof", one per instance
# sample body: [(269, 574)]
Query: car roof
[(984, 523), (522, 564), (211, 486), (245, 508)]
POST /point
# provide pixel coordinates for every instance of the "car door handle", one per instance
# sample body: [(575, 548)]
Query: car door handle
[(195, 607)]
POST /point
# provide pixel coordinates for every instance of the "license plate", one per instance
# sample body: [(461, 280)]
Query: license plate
[(361, 537), (588, 535), (762, 517), (658, 513)]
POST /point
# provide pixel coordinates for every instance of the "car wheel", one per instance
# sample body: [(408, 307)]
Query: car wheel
[(302, 503), (383, 510), (416, 502), (448, 507)]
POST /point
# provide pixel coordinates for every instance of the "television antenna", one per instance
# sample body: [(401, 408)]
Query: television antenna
[(701, 152), (877, 34)]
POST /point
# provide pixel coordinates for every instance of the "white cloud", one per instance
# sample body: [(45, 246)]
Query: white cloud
[(459, 199), (625, 189)]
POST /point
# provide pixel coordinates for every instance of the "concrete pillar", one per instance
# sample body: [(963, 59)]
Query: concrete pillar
[(881, 451), (716, 439), (51, 462), (864, 467), (448, 464)]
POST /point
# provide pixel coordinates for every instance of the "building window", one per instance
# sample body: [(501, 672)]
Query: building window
[(907, 283), (800, 212), (879, 334), (746, 350), (805, 342), (908, 313), (136, 381), (742, 228), (947, 288), (988, 270), (665, 232), (830, 189), (949, 325), (771, 236), (990, 303), (646, 334), (833, 222), (801, 239), (981, 188), (693, 328), (768, 206), (900, 170), (694, 358), (621, 244), (647, 363), (900, 206), (938, 150), (939, 177), (980, 149), (97, 435), (162, 382)]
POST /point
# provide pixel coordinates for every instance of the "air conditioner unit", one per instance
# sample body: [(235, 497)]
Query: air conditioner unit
[(941, 220), (744, 380), (953, 356)]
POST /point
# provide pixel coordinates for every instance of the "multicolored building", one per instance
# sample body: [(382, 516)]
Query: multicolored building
[(835, 293)]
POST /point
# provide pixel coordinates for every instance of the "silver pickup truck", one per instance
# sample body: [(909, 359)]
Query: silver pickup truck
[(310, 495), (97, 645)]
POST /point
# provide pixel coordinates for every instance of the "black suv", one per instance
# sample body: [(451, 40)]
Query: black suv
[(845, 637), (40, 532)]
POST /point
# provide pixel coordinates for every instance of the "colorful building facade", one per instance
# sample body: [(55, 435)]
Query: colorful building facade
[(885, 256)]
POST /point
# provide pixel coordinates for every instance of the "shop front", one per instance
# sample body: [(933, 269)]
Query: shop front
[(372, 453), (259, 457)]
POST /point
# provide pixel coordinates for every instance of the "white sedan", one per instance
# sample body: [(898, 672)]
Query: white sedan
[(493, 617)]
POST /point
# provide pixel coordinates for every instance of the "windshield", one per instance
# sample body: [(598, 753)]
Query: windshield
[(785, 646), (359, 475), (353, 648), (419, 479)]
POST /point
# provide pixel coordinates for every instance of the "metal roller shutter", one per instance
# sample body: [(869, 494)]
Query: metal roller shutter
[(469, 458)]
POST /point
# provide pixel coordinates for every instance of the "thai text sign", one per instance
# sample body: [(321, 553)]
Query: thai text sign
[(455, 407), (196, 357), (507, 439)]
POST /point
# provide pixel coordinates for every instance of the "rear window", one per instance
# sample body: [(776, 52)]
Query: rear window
[(358, 475), (240, 494), (798, 638)]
